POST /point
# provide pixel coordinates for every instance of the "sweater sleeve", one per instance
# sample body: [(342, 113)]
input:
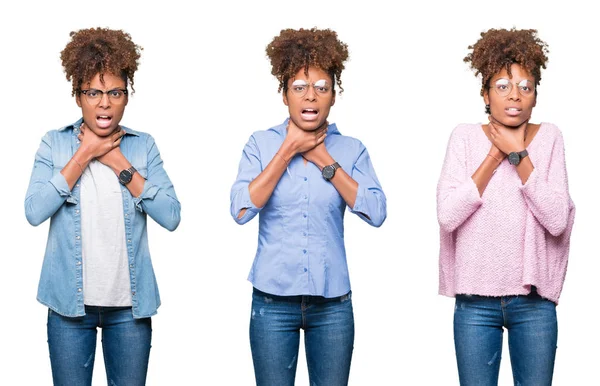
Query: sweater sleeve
[(546, 192), (457, 194)]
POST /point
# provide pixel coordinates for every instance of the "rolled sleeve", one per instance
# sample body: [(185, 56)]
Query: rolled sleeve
[(370, 203), (249, 168), (158, 198), (47, 191)]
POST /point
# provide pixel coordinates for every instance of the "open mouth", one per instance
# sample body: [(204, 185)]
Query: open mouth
[(513, 111), (103, 121), (309, 114)]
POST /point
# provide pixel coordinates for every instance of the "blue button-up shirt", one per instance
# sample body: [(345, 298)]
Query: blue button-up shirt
[(48, 196), (301, 232)]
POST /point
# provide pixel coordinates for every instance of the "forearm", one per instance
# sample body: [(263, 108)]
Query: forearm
[(524, 169), (261, 188), (485, 171), (136, 185), (75, 167)]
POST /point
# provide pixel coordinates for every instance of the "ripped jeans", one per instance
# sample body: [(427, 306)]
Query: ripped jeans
[(532, 334), (275, 324), (125, 344)]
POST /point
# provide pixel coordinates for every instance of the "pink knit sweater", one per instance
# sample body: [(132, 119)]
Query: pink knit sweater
[(515, 235)]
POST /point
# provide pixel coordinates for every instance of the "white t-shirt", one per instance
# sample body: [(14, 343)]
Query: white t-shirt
[(104, 250)]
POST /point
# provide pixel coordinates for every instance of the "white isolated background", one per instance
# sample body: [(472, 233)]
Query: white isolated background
[(204, 85)]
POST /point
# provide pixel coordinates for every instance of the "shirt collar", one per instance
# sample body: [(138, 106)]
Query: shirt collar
[(282, 129), (77, 125)]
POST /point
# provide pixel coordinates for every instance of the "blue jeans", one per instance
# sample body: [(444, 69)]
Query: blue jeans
[(125, 344), (275, 324), (532, 333)]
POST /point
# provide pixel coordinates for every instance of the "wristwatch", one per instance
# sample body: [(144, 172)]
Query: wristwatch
[(515, 157), (126, 175), (329, 171)]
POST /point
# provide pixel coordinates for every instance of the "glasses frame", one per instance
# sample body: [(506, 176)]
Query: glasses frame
[(511, 85), (302, 94), (114, 100)]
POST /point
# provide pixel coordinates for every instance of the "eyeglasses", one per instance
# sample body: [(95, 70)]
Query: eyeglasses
[(300, 87), (115, 96), (504, 87)]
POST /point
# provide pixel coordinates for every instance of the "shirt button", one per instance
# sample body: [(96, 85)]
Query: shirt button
[(76, 211), (78, 289), (77, 185), (304, 215), (126, 214), (130, 265), (128, 240), (133, 292), (305, 179), (304, 250), (305, 269), (79, 263), (305, 197), (77, 237)]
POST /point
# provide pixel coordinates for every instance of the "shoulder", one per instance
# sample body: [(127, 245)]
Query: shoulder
[(550, 130), (274, 133), (465, 130)]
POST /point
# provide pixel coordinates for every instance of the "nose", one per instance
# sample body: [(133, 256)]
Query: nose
[(104, 100), (514, 93), (311, 95)]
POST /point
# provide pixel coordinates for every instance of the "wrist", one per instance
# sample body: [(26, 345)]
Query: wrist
[(287, 150)]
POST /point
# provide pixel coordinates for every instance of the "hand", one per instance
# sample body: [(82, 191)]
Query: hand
[(319, 156), (302, 141), (505, 139), (94, 146)]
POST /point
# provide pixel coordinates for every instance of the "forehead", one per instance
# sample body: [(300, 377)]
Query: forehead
[(314, 74), (106, 80), (516, 72)]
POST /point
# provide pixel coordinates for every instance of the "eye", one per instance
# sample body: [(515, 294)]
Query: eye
[(116, 94), (322, 89), (299, 88), (93, 93)]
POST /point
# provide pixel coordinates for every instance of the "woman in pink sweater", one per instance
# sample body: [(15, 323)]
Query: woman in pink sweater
[(505, 219)]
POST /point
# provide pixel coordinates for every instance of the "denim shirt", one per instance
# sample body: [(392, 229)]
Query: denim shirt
[(48, 196), (301, 231)]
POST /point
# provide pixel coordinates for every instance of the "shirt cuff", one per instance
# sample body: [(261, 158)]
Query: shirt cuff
[(150, 191), (243, 201), (60, 184)]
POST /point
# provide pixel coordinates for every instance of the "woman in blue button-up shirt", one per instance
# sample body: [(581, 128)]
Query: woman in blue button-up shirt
[(97, 181), (300, 176)]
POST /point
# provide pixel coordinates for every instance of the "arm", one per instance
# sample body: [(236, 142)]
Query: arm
[(457, 194), (547, 190), (254, 186), (47, 191), (157, 198), (360, 189)]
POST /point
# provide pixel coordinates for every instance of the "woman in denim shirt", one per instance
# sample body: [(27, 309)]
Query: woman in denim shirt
[(300, 176), (97, 181)]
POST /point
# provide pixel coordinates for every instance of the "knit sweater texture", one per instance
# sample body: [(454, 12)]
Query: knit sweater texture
[(515, 235)]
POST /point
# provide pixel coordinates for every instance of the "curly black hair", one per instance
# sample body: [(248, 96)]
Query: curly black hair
[(99, 51), (293, 50)]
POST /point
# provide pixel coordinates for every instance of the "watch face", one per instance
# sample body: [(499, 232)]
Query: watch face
[(328, 172), (514, 158), (125, 176)]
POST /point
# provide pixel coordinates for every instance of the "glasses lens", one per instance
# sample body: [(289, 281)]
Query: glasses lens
[(503, 87), (526, 87)]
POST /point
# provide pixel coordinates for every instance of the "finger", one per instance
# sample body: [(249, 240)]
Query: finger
[(80, 137), (116, 143), (321, 139)]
